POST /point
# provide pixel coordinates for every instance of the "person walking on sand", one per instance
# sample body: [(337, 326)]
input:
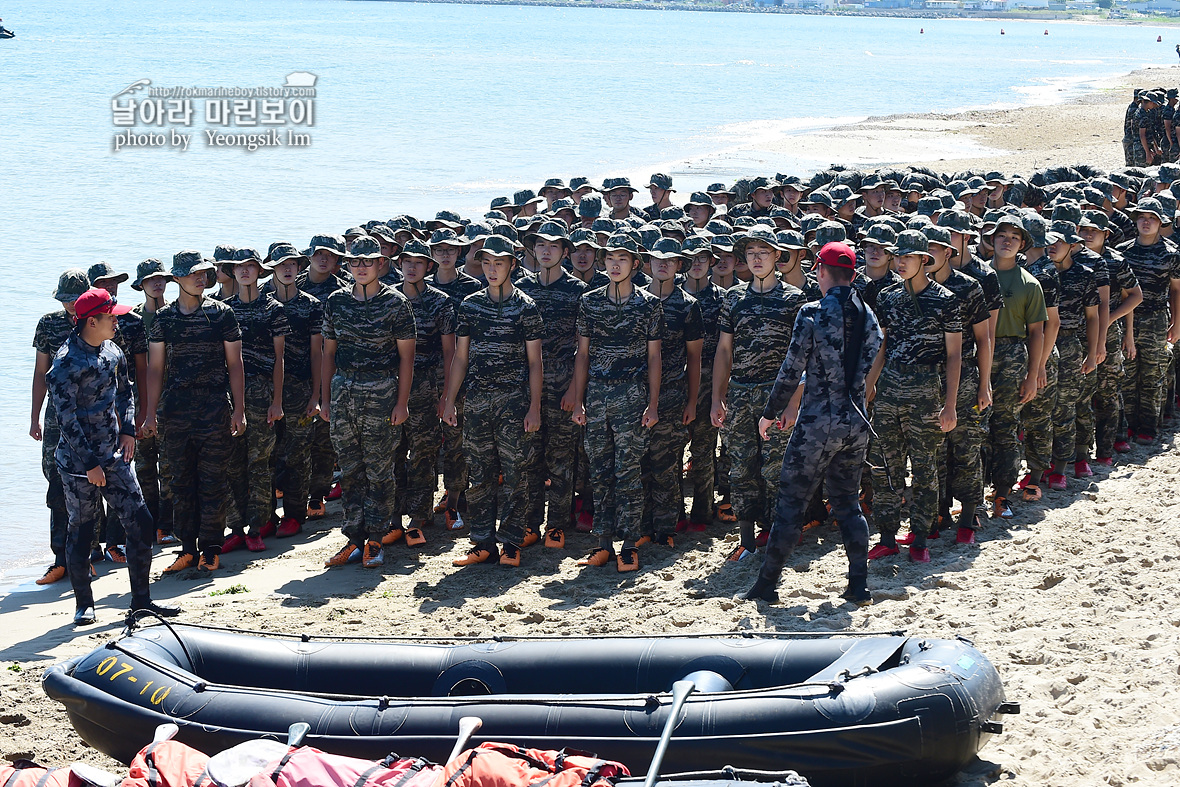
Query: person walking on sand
[(91, 392), (833, 344)]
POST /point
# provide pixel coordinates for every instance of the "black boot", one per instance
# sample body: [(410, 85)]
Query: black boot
[(763, 590), (858, 592), (163, 610)]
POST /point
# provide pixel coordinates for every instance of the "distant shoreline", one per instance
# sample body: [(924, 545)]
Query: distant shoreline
[(898, 13)]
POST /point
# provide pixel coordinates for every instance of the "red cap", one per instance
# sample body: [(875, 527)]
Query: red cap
[(838, 255), (97, 301)]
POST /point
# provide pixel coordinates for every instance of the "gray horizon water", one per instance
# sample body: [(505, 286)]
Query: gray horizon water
[(421, 107)]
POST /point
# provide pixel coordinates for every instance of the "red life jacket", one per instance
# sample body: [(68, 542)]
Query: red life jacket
[(168, 764), (310, 767), (505, 765), (25, 773)]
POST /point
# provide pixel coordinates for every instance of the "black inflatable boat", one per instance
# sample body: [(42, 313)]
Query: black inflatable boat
[(880, 710)]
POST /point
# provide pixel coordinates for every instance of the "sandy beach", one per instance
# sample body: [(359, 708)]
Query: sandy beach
[(1074, 600)]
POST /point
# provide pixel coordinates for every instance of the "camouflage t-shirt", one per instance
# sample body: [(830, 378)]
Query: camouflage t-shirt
[(131, 338), (761, 324), (1095, 262), (194, 344), (305, 315), (1045, 272), (619, 333), (972, 307), (1120, 275), (1079, 289), (367, 332), (458, 288), (986, 276), (558, 303), (709, 299), (682, 324), (871, 289), (915, 326), (434, 318), (1154, 267), (52, 331), (260, 321), (497, 358), (319, 290)]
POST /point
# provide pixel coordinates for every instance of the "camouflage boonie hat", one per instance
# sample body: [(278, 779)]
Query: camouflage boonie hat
[(939, 235), (718, 227), (1012, 222), (759, 234), (1095, 197), (1067, 211), (186, 262), (960, 189), (102, 271), (364, 248), (621, 241), (1124, 182), (417, 248), (791, 182), (553, 230), (583, 237), (224, 253), (1168, 200), (1149, 205), (1064, 230), (648, 235), (590, 207), (577, 184), (810, 223), (611, 184), (912, 242), (476, 230), (1095, 219), (959, 221), (71, 284), (791, 240), (661, 181), (445, 237), (333, 243), (500, 202), (149, 269), (562, 203), (498, 246), (525, 197), (761, 183), (880, 235), (673, 213), (722, 242), (666, 248), (696, 244), (919, 223), (870, 182), (603, 225), (355, 232), (830, 232), (719, 188), (702, 199), (445, 218), (506, 230), (247, 254), (929, 205), (744, 223), (1036, 226), (556, 184), (818, 197), (281, 252)]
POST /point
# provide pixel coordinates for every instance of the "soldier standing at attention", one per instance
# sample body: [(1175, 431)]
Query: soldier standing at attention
[(557, 294), (702, 433), (92, 393), (194, 358), (917, 375), (369, 338), (499, 332), (756, 321), (617, 393), (833, 345), (52, 331)]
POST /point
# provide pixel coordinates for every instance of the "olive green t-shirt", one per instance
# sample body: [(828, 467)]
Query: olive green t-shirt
[(1024, 303)]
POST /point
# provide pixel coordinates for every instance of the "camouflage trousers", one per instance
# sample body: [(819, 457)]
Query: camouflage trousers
[(423, 434), (323, 461), (1108, 395), (905, 424), (151, 470), (1009, 367), (197, 449), (454, 459), (663, 500), (828, 456), (55, 501), (1138, 154), (616, 441), (364, 438), (84, 501), (1143, 386), (960, 470), (250, 478), (294, 437), (702, 451), (755, 464), (1129, 151), (557, 462), (495, 443), (1036, 420), (1074, 391)]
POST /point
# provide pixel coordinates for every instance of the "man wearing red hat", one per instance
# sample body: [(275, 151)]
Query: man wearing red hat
[(91, 391), (822, 379)]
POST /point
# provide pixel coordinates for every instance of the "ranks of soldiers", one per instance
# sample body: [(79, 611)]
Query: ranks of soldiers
[(572, 363)]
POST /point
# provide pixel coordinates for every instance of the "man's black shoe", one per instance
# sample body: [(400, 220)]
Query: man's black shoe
[(763, 590), (858, 594), (84, 617), (163, 610)]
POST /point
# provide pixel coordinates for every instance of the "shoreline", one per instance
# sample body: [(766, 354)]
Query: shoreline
[(1073, 600)]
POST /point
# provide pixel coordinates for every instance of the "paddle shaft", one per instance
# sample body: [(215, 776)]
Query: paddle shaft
[(468, 725), (680, 691)]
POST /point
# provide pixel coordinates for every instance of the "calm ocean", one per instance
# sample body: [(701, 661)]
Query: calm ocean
[(420, 107)]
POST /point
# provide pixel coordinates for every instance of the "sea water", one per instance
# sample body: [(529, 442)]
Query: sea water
[(420, 107)]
